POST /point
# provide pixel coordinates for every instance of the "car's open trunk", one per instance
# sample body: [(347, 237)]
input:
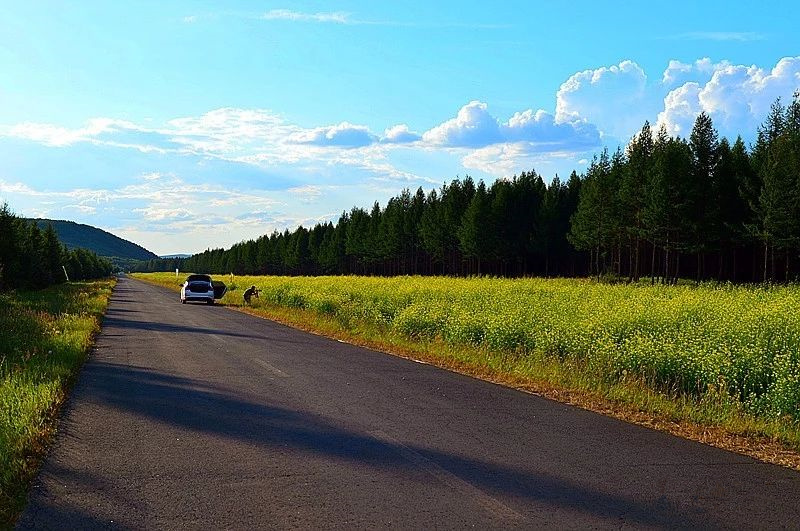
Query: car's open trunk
[(219, 289)]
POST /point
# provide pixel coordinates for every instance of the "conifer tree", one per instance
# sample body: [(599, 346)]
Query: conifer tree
[(703, 223), (52, 255), (476, 231), (632, 193)]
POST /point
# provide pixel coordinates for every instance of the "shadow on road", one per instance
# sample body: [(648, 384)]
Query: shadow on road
[(198, 407), (111, 322), (70, 517)]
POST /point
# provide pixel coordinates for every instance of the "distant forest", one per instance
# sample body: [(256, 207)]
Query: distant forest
[(33, 258), (665, 207)]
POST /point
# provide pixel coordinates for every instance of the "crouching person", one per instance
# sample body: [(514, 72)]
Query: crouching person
[(249, 293)]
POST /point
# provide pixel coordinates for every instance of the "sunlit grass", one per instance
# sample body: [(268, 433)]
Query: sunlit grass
[(713, 354), (45, 338)]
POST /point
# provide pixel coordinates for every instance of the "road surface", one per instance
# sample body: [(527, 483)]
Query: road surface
[(198, 417)]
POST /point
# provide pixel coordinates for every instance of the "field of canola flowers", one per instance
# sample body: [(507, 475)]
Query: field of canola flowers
[(743, 341)]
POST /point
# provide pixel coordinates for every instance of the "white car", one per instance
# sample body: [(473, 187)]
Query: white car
[(199, 288)]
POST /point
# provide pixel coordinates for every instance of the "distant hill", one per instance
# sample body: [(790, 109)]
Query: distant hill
[(179, 255), (101, 242)]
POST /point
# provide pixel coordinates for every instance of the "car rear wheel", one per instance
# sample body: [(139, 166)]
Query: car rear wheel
[(211, 302)]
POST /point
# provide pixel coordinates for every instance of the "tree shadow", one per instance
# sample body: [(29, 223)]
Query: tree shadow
[(121, 323), (120, 310), (203, 408)]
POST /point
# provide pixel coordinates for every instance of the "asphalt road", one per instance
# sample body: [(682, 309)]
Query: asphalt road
[(190, 416)]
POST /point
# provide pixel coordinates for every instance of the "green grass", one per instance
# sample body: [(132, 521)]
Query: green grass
[(711, 355), (45, 338)]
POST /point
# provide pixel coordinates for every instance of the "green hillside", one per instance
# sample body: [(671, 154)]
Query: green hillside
[(103, 243)]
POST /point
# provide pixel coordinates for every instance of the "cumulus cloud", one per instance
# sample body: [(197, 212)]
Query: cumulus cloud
[(344, 134), (541, 130), (399, 134), (475, 127), (618, 99), (737, 97), (615, 98), (700, 70), (674, 70), (681, 107)]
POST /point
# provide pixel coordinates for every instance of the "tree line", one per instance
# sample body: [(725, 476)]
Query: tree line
[(448, 231), (664, 207), (34, 258)]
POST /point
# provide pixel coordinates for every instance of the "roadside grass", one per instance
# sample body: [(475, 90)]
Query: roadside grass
[(46, 336), (716, 363)]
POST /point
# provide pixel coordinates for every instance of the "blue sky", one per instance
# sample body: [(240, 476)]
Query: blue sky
[(187, 125)]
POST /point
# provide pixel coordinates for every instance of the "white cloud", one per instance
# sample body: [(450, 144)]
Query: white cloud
[(229, 130), (674, 70), (474, 127), (737, 97), (399, 134), (700, 70), (345, 135), (161, 213), (16, 188), (165, 194), (297, 16), (264, 139), (614, 98), (505, 160), (252, 136), (542, 131), (53, 135), (502, 159), (681, 107)]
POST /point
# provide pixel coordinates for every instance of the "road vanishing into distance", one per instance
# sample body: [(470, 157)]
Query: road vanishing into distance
[(199, 417)]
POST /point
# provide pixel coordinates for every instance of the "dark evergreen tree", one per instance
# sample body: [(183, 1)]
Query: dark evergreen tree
[(633, 194), (703, 224), (476, 231)]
